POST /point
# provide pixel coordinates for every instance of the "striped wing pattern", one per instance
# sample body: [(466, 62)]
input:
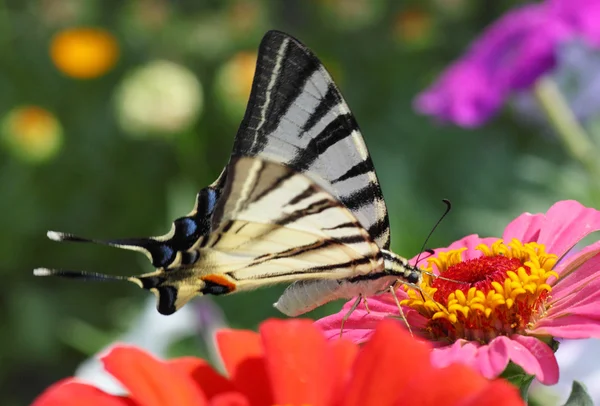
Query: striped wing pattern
[(271, 225), (298, 201), (297, 116), (274, 225)]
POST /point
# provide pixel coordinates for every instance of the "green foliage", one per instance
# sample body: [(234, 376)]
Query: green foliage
[(104, 183), (579, 396)]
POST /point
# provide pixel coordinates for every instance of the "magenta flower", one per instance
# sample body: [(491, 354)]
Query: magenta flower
[(581, 16), (517, 293), (509, 56)]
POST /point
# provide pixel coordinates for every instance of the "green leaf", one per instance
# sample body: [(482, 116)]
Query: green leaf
[(579, 396), (516, 376)]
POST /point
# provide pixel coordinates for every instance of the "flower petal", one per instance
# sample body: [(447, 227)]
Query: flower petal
[(229, 399), (582, 15), (525, 228), (497, 393), (566, 223), (462, 95), (459, 385), (573, 327), (385, 365), (511, 54), (69, 392), (151, 382), (298, 362), (577, 270), (461, 351), (469, 242), (243, 356), (361, 323), (531, 354), (544, 365), (211, 382), (568, 303), (343, 354)]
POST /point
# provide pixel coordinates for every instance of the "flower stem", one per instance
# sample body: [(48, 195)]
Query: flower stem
[(572, 134)]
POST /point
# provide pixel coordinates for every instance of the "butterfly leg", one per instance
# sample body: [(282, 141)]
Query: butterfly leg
[(366, 304), (347, 315), (393, 292)]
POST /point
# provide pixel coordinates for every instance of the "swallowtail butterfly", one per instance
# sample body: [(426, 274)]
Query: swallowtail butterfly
[(299, 202)]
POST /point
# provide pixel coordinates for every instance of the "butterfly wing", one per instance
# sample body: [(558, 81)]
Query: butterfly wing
[(297, 116), (270, 225)]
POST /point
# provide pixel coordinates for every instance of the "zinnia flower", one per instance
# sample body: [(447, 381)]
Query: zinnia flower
[(84, 53), (515, 295), (31, 133), (510, 56), (290, 363)]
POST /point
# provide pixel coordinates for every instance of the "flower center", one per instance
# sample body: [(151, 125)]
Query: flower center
[(478, 273), (502, 292)]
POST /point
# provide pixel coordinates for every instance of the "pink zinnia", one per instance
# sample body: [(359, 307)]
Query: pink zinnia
[(517, 294)]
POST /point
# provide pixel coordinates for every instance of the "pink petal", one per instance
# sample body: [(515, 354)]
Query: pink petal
[(525, 228), (574, 270), (462, 351), (572, 327), (567, 223), (543, 364), (490, 360), (588, 294), (360, 325)]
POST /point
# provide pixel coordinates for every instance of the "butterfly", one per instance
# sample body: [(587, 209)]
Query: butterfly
[(299, 202)]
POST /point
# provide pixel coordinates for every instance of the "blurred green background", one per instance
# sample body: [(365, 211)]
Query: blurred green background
[(110, 132)]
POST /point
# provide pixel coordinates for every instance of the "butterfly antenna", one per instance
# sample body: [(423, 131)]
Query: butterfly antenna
[(448, 208)]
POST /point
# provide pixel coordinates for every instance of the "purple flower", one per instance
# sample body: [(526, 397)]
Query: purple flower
[(582, 16), (509, 56)]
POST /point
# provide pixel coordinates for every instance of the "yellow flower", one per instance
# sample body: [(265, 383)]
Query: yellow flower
[(84, 53), (32, 133), (234, 82)]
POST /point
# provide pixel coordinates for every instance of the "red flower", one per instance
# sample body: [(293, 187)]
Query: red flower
[(290, 363)]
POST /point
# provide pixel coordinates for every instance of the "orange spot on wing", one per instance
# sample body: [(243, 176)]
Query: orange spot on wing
[(220, 280)]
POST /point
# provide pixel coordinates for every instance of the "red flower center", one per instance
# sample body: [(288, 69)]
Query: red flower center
[(478, 273)]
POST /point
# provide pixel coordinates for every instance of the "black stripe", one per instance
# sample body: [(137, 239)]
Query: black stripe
[(291, 252), (297, 66), (317, 269), (331, 99), (223, 231), (360, 168), (294, 251), (275, 185), (362, 197), (343, 225), (378, 228), (289, 85), (353, 263), (333, 133), (309, 191), (314, 208)]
